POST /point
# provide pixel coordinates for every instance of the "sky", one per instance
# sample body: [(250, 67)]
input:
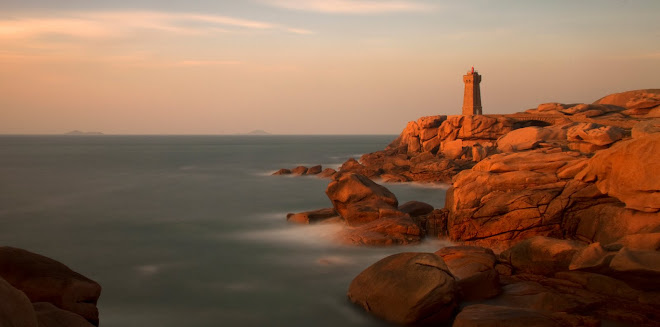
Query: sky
[(308, 66)]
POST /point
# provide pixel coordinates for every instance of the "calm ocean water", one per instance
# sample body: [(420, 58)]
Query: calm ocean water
[(191, 230)]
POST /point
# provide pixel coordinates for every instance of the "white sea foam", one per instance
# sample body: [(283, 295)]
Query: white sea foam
[(335, 260), (265, 173), (273, 215), (441, 186), (309, 235), (426, 185), (149, 269)]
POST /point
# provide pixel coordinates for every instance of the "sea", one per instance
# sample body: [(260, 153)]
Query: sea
[(191, 230)]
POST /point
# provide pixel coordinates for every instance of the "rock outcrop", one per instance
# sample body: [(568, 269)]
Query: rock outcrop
[(628, 171), (359, 200), (371, 214), (406, 288), (547, 282), (513, 196), (45, 280), (644, 103), (306, 171), (562, 276), (474, 270)]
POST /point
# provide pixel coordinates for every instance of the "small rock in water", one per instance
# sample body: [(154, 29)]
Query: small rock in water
[(314, 170), (300, 170), (282, 171)]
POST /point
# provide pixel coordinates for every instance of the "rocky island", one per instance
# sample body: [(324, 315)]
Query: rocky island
[(554, 212)]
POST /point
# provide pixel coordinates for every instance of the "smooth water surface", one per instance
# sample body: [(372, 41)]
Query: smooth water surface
[(191, 230)]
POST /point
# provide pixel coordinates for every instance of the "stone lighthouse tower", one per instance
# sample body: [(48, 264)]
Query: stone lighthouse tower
[(472, 96)]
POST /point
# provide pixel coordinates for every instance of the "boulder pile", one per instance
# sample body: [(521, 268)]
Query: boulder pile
[(537, 282)]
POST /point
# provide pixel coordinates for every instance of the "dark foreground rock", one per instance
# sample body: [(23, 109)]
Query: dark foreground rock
[(406, 288), (49, 315), (481, 315), (45, 280), (15, 307)]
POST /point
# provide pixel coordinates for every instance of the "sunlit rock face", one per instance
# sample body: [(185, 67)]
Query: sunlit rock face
[(407, 288)]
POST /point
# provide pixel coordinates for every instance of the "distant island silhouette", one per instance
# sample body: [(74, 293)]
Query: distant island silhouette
[(258, 132)]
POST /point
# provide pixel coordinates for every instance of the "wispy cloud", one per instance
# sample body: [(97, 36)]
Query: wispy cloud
[(192, 63), (353, 6), (121, 23)]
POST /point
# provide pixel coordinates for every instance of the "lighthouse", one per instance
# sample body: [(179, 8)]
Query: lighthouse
[(472, 95)]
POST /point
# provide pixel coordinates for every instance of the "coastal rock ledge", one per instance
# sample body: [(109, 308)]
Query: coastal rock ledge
[(39, 291), (556, 212)]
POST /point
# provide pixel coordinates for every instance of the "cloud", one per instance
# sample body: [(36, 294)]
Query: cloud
[(123, 23), (209, 62), (352, 6)]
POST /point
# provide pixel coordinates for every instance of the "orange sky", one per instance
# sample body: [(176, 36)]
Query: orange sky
[(308, 67)]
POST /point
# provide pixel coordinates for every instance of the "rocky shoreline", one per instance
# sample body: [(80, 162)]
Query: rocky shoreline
[(555, 211)]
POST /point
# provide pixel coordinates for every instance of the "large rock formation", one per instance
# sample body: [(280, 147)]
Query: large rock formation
[(628, 171), (554, 192), (644, 103), (359, 200), (45, 280), (406, 288), (516, 195)]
